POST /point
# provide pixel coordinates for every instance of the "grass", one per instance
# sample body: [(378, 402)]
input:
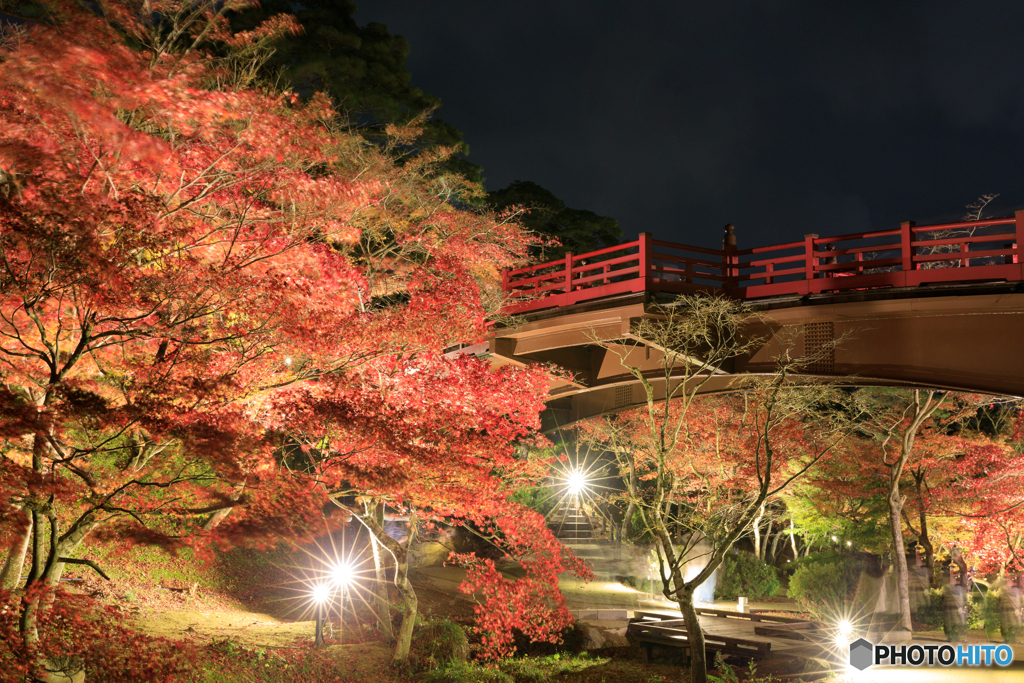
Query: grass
[(617, 667)]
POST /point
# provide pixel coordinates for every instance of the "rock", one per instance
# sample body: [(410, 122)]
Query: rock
[(595, 640), (428, 554), (616, 638)]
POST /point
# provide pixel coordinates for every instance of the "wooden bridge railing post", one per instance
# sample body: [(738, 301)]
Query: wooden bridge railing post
[(568, 272), (907, 251), (1020, 236), (730, 274), (809, 260), (645, 259)]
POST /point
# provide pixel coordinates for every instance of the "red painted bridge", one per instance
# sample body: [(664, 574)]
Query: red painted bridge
[(938, 306), (910, 256)]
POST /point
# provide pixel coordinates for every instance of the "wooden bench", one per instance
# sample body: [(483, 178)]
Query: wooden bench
[(650, 628)]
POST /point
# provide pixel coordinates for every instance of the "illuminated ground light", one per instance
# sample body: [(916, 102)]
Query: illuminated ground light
[(577, 483), (321, 593), (843, 632), (332, 585), (342, 575)]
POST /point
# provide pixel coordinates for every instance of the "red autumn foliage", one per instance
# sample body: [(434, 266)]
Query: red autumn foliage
[(190, 271), (76, 633)]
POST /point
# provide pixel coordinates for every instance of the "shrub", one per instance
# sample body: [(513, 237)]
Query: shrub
[(819, 588), (441, 642), (930, 613), (990, 613), (745, 574), (574, 640), (537, 498)]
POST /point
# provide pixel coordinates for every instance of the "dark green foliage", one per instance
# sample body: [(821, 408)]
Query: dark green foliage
[(745, 574), (819, 588), (441, 642), (979, 614), (726, 674), (574, 639), (990, 614), (637, 532), (642, 583), (851, 566), (362, 68), (930, 612), (579, 231), (537, 498)]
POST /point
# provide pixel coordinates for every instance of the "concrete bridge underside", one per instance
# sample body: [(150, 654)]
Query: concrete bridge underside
[(964, 338)]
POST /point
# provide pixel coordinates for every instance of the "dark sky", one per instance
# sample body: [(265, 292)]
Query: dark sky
[(781, 117)]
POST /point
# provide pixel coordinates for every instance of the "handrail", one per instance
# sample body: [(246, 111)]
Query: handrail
[(825, 265)]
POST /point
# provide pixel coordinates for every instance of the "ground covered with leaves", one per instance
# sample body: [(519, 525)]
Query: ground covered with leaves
[(235, 618)]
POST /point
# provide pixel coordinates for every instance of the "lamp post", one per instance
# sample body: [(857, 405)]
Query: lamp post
[(342, 574), (321, 594)]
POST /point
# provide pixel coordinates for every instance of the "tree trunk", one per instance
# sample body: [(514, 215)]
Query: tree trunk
[(899, 554), (51, 570), (757, 533), (401, 554), (381, 598), (958, 560), (694, 633), (631, 484), (10, 577), (775, 545), (217, 517), (924, 539), (792, 538), (404, 641), (624, 529), (922, 411)]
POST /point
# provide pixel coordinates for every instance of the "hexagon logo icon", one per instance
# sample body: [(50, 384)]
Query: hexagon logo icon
[(860, 654)]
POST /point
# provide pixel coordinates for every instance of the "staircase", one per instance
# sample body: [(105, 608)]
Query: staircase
[(572, 526)]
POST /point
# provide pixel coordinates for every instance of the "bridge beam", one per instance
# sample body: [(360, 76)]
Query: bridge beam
[(962, 340)]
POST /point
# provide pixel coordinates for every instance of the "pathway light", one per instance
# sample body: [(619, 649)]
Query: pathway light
[(577, 482), (844, 631)]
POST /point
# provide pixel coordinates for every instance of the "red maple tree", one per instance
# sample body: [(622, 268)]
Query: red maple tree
[(191, 268)]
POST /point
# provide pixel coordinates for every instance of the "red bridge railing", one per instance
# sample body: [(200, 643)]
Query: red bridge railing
[(912, 255)]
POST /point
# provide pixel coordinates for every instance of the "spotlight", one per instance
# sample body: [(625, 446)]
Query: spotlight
[(849, 543), (835, 539), (342, 574), (321, 593), (845, 630), (576, 482)]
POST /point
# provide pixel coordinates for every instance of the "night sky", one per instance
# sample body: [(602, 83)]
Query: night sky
[(781, 117)]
